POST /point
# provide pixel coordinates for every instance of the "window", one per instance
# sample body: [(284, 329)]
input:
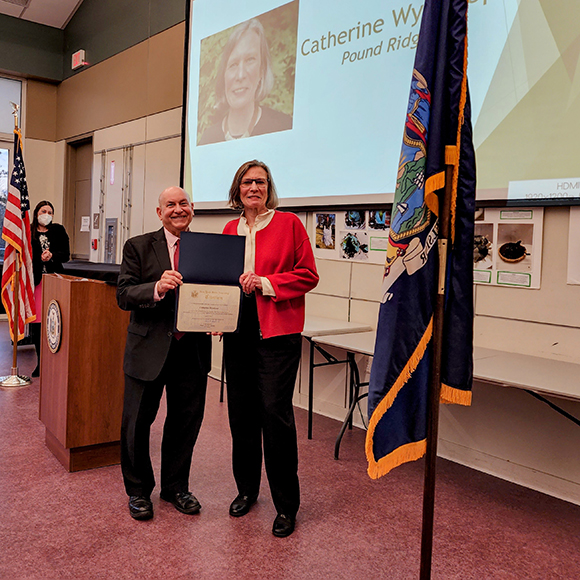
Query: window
[(4, 166), (10, 91)]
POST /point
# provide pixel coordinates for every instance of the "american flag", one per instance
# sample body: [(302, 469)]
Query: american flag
[(16, 233)]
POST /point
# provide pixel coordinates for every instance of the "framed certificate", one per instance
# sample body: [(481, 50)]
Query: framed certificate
[(208, 308), (209, 298)]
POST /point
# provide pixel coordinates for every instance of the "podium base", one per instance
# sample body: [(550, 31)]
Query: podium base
[(81, 458)]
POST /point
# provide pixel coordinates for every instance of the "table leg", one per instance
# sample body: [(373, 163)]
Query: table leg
[(346, 421), (222, 379), (310, 388), (354, 383)]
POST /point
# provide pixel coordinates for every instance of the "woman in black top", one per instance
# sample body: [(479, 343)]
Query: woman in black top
[(50, 249)]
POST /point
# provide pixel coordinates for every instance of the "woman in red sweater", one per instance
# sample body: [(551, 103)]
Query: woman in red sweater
[(262, 358)]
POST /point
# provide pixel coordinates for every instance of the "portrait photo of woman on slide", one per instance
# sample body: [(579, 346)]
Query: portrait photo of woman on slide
[(253, 91)]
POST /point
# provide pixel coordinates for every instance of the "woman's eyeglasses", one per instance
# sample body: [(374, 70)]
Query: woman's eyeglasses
[(258, 182)]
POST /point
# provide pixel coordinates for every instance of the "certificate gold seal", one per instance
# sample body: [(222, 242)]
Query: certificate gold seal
[(53, 326)]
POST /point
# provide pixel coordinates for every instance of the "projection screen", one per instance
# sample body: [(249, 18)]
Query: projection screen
[(323, 85)]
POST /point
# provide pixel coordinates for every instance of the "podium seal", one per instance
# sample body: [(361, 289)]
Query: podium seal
[(53, 326)]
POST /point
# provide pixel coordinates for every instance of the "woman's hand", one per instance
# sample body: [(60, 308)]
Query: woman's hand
[(46, 256), (249, 281)]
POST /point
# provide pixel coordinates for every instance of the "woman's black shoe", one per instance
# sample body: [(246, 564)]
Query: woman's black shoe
[(283, 526)]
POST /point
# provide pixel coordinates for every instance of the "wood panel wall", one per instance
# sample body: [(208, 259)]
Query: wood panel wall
[(143, 80)]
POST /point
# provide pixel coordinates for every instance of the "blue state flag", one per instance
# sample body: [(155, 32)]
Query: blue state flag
[(437, 133)]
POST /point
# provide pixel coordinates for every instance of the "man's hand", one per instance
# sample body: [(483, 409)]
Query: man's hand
[(170, 279), (250, 281)]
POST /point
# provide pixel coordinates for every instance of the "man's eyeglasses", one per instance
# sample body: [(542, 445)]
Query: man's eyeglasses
[(258, 182)]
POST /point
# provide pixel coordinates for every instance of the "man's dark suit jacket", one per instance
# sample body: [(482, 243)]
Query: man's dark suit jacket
[(151, 327)]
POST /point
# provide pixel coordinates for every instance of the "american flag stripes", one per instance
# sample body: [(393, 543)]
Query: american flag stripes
[(16, 233)]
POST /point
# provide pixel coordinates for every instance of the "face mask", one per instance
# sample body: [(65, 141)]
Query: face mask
[(44, 219)]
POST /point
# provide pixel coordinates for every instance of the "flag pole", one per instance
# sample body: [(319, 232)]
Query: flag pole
[(435, 382), (14, 379), (15, 317)]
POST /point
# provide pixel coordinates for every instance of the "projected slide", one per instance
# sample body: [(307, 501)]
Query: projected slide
[(318, 90)]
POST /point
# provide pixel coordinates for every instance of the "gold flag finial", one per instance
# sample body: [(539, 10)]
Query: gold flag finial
[(15, 108)]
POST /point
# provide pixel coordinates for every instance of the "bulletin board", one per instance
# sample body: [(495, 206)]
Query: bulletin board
[(351, 235), (507, 247)]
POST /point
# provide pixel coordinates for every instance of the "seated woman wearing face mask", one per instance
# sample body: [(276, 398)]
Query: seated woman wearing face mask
[(50, 249)]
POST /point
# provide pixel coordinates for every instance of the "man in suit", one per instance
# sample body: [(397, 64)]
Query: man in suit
[(157, 357)]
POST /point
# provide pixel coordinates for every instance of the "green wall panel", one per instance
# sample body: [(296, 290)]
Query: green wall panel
[(30, 49), (104, 28), (165, 14)]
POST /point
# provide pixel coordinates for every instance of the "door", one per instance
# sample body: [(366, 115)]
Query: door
[(79, 198)]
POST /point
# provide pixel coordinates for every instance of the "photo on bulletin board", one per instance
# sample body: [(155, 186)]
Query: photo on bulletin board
[(354, 220), (379, 219), (351, 235), (514, 246), (354, 245), (325, 231), (483, 246)]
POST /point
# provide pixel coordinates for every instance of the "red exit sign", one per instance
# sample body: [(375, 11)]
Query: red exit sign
[(78, 59)]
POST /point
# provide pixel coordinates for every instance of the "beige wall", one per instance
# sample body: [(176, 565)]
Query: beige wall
[(139, 82), (45, 173), (41, 104), (156, 151)]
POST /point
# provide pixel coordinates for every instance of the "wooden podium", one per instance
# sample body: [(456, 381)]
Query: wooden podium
[(81, 384)]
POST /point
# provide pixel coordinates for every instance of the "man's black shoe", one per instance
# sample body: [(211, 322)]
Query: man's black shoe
[(140, 507), (241, 505), (283, 526), (183, 501)]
